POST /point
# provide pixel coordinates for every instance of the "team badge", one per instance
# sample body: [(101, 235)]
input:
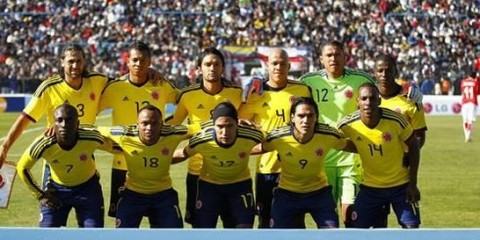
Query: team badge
[(83, 157), (155, 95), (348, 94), (118, 222), (198, 204), (242, 155), (354, 215), (165, 151), (319, 152), (292, 98), (387, 137), (92, 96)]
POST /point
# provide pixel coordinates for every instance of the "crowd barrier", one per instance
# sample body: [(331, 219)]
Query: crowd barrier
[(234, 234), (432, 104)]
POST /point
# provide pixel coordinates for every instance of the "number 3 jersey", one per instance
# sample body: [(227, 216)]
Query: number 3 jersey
[(303, 164), (380, 148)]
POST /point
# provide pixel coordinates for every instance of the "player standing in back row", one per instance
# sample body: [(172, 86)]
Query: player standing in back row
[(335, 90)]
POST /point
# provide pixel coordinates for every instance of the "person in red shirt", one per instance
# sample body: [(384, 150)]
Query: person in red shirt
[(470, 88)]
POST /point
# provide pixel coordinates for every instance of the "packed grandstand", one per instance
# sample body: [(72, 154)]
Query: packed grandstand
[(431, 39)]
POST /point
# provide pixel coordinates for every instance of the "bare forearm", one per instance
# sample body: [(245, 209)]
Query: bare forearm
[(15, 131)]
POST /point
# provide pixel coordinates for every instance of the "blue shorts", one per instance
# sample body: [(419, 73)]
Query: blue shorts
[(370, 203), (117, 182), (161, 209), (191, 182), (264, 186), (213, 199), (288, 205), (86, 199)]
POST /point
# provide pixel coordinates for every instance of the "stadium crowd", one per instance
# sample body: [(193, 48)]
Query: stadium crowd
[(432, 39)]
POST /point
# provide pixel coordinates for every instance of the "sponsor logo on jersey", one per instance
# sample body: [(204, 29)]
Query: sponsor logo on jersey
[(125, 99), (200, 106)]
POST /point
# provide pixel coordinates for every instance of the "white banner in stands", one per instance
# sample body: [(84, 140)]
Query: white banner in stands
[(442, 105)]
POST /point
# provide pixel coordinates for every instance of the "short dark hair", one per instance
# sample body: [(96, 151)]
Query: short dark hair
[(370, 85), (151, 108), (333, 43), (68, 108), (390, 60), (141, 47), (303, 100), (208, 51)]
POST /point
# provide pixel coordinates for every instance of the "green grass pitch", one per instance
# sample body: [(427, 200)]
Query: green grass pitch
[(449, 177)]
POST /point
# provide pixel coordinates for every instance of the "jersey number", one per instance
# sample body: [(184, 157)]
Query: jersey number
[(375, 148), (281, 114), (228, 163), (69, 167), (322, 95), (303, 163), (150, 162), (81, 110), (141, 105), (468, 92)]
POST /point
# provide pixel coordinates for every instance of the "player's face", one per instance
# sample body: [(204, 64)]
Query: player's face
[(226, 130), (384, 73), (278, 67), (368, 101), (333, 60), (211, 68), (73, 65), (149, 125), (66, 124), (138, 62), (304, 119)]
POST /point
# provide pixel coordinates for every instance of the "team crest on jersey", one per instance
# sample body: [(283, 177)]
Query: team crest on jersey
[(354, 215), (242, 154), (118, 222), (289, 154), (134, 152), (155, 95), (92, 96), (83, 157), (349, 94), (387, 137), (359, 139), (198, 204), (214, 157), (292, 99), (165, 151), (319, 152), (55, 161)]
